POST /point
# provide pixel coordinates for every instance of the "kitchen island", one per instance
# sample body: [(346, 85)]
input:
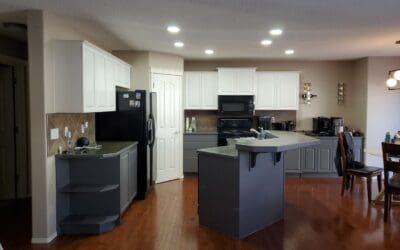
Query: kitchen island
[(241, 186)]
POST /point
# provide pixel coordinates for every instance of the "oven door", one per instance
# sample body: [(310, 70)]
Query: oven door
[(235, 105)]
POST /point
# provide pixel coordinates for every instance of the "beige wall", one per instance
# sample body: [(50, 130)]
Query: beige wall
[(324, 76), (140, 72), (39, 168), (382, 104), (358, 99), (144, 62), (43, 30)]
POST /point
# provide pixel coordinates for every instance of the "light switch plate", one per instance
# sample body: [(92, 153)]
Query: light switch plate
[(54, 134)]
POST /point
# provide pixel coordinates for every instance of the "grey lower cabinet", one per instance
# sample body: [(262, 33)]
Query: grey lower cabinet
[(128, 177), (319, 159), (193, 142), (94, 190)]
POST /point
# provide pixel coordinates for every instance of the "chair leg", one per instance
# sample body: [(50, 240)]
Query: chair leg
[(379, 182), (386, 212), (369, 188), (352, 177), (343, 184)]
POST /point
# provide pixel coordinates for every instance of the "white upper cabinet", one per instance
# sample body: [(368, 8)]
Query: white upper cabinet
[(288, 91), (277, 91), (201, 90), (85, 77), (209, 90), (123, 77), (265, 98), (193, 90), (236, 81)]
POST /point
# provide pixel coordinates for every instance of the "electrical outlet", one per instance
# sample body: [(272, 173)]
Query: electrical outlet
[(54, 134)]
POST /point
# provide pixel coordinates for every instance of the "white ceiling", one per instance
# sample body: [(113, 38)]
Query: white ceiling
[(315, 29)]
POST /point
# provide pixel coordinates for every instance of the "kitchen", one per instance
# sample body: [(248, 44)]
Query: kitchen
[(89, 85)]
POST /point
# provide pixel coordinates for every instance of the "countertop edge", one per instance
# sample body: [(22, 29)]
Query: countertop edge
[(96, 156)]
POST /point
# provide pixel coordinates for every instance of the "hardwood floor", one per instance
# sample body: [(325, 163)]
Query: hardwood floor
[(316, 217)]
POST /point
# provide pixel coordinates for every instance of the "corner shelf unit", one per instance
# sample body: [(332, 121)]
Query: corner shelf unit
[(88, 195)]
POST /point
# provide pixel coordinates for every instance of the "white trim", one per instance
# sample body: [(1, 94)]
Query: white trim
[(44, 240), (166, 71)]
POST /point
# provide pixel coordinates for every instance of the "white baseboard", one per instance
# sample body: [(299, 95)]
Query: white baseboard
[(44, 240)]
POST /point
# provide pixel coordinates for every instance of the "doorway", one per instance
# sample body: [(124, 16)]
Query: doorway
[(8, 166), (168, 119)]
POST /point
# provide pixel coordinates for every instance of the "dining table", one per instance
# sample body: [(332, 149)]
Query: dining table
[(379, 198)]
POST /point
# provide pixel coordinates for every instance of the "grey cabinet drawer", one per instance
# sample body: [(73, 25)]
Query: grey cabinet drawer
[(199, 145), (193, 142), (199, 138)]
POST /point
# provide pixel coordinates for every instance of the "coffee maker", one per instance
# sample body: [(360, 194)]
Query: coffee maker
[(337, 125), (322, 126)]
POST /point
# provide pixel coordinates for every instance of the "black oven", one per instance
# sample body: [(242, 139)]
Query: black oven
[(233, 128), (235, 105)]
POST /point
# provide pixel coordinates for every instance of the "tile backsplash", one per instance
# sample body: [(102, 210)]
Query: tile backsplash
[(73, 121), (206, 120)]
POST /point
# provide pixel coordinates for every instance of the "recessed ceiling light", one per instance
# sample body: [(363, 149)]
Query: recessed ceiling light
[(173, 29), (289, 52), (209, 51), (266, 42), (275, 32), (179, 44)]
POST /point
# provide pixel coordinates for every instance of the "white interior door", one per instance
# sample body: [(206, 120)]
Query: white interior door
[(169, 126), (7, 142)]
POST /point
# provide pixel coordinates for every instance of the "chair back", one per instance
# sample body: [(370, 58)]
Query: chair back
[(343, 157), (390, 150)]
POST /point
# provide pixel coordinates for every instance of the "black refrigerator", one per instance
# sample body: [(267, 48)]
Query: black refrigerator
[(133, 120)]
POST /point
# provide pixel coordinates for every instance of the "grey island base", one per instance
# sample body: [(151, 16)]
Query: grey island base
[(241, 187)]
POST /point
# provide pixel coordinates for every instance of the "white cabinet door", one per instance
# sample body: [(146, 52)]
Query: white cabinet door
[(89, 100), (110, 84), (100, 82), (209, 88), (193, 90), (245, 81), (123, 77), (227, 82), (266, 91), (288, 91), (126, 76)]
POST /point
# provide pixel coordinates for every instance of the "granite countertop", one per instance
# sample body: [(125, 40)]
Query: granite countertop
[(283, 141), (278, 141), (227, 151), (108, 149), (201, 133)]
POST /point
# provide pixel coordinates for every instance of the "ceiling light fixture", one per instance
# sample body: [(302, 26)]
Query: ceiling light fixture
[(275, 32), (289, 52), (179, 44), (266, 42), (394, 77), (209, 51), (173, 29)]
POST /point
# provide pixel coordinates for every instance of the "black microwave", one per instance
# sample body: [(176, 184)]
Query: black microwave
[(235, 105)]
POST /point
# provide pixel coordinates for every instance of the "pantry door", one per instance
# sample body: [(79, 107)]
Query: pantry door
[(168, 119)]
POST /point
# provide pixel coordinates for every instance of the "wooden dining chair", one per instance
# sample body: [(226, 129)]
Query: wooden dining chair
[(348, 172), (392, 184)]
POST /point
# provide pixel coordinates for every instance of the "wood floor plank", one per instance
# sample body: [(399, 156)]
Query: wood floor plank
[(316, 217)]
